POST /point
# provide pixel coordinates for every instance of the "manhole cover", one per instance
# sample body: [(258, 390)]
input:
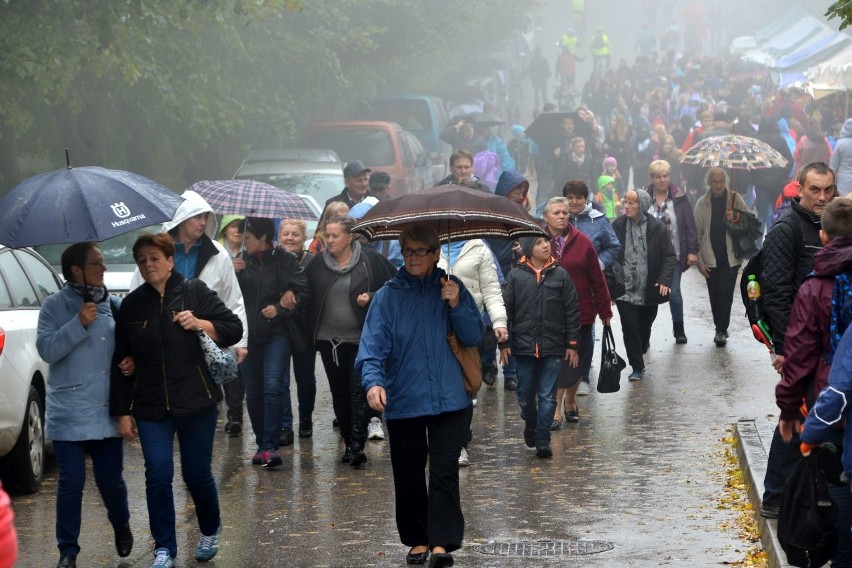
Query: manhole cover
[(545, 547)]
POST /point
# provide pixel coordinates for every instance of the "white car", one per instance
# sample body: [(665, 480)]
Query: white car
[(26, 279)]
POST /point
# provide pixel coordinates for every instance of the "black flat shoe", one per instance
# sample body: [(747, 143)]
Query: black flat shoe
[(347, 456), (358, 458), (441, 559), (67, 561), (306, 429), (123, 541), (417, 557)]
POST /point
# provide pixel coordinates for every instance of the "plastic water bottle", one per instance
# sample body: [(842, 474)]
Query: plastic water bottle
[(753, 287)]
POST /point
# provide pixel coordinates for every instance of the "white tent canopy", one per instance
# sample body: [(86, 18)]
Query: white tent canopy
[(835, 71)]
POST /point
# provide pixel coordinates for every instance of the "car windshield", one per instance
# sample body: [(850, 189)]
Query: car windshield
[(371, 146), (319, 186), (117, 250), (411, 114)]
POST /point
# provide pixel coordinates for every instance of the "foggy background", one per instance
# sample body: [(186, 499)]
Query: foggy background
[(181, 91)]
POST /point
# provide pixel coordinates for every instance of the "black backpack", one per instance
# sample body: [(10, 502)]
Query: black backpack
[(807, 524), (755, 311)]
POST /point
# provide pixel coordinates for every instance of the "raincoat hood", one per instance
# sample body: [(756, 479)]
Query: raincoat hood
[(509, 180), (192, 205), (846, 131), (835, 257)]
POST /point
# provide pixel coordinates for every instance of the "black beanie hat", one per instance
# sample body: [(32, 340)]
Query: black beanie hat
[(527, 244)]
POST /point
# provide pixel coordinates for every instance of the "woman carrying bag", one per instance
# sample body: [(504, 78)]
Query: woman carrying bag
[(717, 259)]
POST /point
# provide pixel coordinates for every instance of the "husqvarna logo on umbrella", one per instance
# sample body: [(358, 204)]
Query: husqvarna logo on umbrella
[(120, 209)]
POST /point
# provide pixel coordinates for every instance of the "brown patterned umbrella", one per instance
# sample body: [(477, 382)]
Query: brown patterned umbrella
[(455, 212), (734, 152)]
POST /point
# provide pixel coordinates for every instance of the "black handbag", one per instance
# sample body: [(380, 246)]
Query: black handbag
[(746, 233), (609, 378)]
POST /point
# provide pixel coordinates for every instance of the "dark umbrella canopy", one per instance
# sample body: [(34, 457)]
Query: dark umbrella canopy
[(482, 119), (546, 129), (455, 212), (74, 205)]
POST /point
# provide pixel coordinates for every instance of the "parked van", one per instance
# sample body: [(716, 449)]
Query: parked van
[(422, 115), (382, 146)]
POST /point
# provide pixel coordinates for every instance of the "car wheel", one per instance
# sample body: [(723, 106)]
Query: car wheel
[(22, 469)]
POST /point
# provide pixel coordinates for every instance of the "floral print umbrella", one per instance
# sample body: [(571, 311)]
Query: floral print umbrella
[(734, 152)]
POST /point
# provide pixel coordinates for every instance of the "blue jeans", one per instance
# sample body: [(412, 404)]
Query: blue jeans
[(304, 372), (195, 438), (107, 463), (266, 372), (537, 393), (675, 297)]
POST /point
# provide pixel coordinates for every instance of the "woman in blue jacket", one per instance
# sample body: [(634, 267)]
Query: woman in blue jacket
[(76, 337), (410, 374)]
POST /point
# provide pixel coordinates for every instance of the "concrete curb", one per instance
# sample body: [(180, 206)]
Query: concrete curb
[(752, 449)]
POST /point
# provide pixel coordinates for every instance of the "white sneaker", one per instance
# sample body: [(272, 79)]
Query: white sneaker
[(583, 389), (374, 429), (162, 559), (464, 459)]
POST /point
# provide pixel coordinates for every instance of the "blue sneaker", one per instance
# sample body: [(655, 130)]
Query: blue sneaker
[(162, 559), (208, 546)]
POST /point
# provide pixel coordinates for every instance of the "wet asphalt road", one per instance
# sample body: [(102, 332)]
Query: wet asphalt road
[(642, 470)]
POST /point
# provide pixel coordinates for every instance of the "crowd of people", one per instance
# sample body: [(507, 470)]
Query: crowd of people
[(623, 219)]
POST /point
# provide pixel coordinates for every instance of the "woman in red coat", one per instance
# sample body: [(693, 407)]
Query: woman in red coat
[(576, 254)]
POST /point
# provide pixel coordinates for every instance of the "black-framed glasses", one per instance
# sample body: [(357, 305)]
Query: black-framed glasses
[(100, 264), (422, 251)]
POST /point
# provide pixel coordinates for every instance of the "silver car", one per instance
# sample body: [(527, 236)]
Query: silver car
[(306, 171), (26, 279)]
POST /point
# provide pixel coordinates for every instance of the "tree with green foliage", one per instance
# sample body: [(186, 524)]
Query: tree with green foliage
[(179, 90), (841, 9)]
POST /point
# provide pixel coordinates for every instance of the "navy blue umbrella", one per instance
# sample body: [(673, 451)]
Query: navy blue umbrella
[(74, 205)]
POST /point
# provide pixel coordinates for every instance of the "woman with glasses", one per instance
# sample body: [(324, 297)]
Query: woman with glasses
[(344, 278), (411, 374), (76, 337)]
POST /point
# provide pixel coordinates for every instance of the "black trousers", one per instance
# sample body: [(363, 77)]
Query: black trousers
[(235, 392), (720, 287), (428, 515), (347, 394), (636, 322)]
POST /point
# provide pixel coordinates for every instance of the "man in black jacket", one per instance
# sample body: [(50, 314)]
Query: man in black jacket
[(787, 257)]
